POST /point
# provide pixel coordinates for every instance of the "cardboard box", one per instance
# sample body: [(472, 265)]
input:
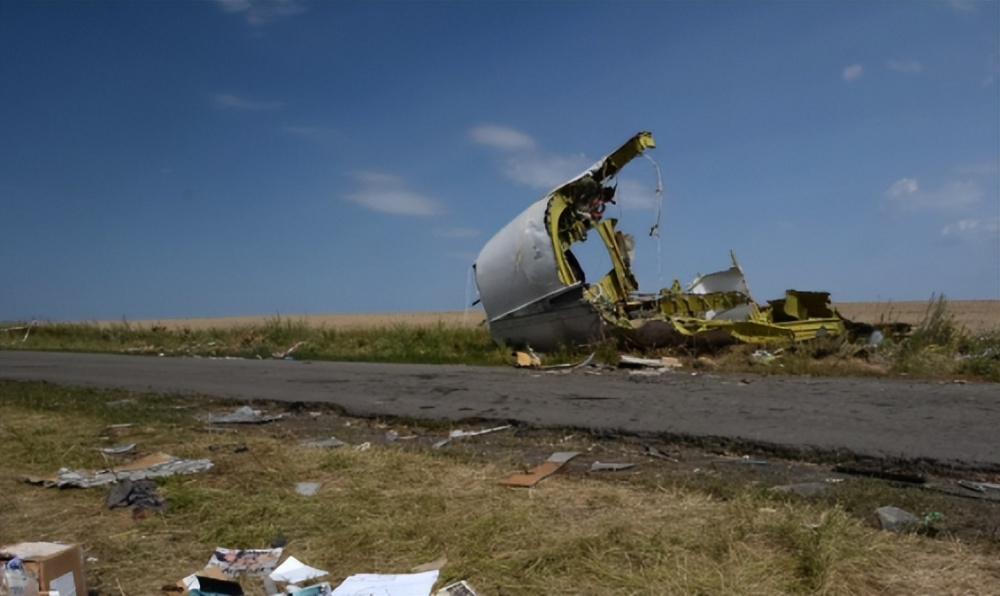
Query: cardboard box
[(57, 566)]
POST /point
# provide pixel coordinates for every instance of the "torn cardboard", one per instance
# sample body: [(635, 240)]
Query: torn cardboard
[(541, 471), (57, 566)]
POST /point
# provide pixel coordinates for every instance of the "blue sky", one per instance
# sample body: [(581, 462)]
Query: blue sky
[(190, 159)]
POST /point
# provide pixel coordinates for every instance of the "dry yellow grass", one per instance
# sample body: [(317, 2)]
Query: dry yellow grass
[(976, 315), (391, 507)]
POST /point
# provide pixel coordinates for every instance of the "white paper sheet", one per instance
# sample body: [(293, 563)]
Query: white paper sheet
[(376, 584), (295, 571)]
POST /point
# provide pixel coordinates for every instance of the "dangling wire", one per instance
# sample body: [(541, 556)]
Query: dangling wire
[(654, 231)]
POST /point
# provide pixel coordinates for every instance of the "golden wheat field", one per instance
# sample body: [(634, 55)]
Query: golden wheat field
[(975, 315)]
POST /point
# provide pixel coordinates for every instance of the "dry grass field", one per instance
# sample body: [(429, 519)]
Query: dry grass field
[(975, 315)]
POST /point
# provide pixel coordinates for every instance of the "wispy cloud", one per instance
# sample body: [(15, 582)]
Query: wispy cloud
[(386, 193), (973, 229), (964, 6), (235, 102), (523, 162), (902, 188), (500, 137), (905, 66), (634, 195), (905, 193), (261, 12), (544, 171), (853, 72)]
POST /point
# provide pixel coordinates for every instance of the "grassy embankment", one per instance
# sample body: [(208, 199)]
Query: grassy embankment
[(939, 347), (398, 505)]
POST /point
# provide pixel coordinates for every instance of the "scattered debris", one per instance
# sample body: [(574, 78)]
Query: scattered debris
[(535, 293), (459, 588), (210, 581), (324, 443), (254, 561), (404, 584), (57, 567), (150, 466), (610, 467), (294, 571), (762, 357), (242, 415), (563, 368), (541, 471), (979, 487), (933, 517), (307, 489), (626, 361), (27, 329), (654, 452), (116, 449), (141, 495), (527, 360), (457, 434), (363, 447), (287, 353), (894, 519)]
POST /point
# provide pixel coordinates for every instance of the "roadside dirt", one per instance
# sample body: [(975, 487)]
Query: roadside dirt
[(976, 315), (859, 486)]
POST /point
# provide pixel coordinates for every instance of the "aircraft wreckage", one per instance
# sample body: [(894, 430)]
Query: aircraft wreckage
[(535, 294)]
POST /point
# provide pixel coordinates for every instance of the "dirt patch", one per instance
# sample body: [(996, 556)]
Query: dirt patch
[(717, 468)]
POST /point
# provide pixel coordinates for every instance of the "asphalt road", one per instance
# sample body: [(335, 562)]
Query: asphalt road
[(945, 422)]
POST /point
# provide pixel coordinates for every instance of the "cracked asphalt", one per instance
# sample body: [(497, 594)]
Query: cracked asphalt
[(901, 419)]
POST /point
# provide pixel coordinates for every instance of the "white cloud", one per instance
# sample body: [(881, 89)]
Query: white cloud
[(852, 72), (500, 137), (235, 102), (904, 66), (634, 195), (258, 13), (906, 194), (902, 187), (972, 229), (523, 162), (386, 193), (544, 172)]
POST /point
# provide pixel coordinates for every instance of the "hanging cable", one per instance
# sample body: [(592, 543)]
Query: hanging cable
[(654, 231)]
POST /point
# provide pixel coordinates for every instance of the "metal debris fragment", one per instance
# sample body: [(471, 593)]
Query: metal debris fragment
[(535, 293), (610, 467), (242, 415), (150, 466)]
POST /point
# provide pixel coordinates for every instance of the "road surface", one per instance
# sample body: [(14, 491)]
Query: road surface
[(945, 422)]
